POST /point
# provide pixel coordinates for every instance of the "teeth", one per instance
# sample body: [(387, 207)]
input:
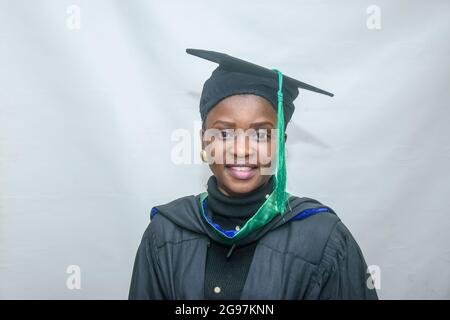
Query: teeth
[(242, 168)]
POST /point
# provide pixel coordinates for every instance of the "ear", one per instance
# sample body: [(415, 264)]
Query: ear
[(202, 143)]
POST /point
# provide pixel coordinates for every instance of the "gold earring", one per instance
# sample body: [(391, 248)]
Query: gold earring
[(203, 155)]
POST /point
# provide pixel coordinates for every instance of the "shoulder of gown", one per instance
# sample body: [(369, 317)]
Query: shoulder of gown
[(342, 272)]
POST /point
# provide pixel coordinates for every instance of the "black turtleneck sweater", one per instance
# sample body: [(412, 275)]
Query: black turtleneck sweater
[(225, 276)]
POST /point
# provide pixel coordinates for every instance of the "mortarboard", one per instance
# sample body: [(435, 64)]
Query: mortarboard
[(236, 76)]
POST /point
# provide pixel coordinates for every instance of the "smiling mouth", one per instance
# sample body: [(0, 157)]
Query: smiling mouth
[(242, 172)]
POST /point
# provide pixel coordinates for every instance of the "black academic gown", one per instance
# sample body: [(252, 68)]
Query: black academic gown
[(309, 254)]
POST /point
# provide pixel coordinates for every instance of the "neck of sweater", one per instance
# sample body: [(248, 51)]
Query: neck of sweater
[(243, 206)]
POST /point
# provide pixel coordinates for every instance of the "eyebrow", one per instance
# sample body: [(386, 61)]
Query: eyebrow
[(263, 123), (227, 123), (253, 125)]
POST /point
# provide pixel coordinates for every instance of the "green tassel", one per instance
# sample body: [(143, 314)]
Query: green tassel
[(276, 203), (280, 168)]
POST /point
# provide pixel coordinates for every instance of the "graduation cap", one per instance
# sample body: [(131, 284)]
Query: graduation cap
[(235, 76)]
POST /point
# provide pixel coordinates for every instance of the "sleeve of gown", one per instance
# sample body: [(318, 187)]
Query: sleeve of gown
[(145, 283), (343, 268)]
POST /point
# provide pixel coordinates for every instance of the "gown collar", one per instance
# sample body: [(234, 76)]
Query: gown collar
[(243, 206)]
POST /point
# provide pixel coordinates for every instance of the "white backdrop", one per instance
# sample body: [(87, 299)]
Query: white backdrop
[(87, 114)]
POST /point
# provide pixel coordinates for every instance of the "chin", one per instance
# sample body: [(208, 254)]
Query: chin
[(239, 186), (241, 189)]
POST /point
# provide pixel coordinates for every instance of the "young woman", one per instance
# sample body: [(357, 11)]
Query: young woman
[(245, 237)]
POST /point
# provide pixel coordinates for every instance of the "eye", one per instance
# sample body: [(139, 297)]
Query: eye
[(261, 135), (226, 134)]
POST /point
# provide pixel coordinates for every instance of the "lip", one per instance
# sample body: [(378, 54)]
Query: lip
[(242, 172)]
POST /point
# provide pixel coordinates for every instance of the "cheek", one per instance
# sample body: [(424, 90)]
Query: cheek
[(265, 152), (216, 151)]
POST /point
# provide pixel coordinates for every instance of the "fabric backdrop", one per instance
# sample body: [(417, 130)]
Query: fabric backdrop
[(95, 94)]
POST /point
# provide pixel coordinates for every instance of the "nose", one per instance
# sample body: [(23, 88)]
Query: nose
[(241, 148)]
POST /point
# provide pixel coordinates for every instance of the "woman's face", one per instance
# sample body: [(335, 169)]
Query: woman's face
[(239, 142)]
